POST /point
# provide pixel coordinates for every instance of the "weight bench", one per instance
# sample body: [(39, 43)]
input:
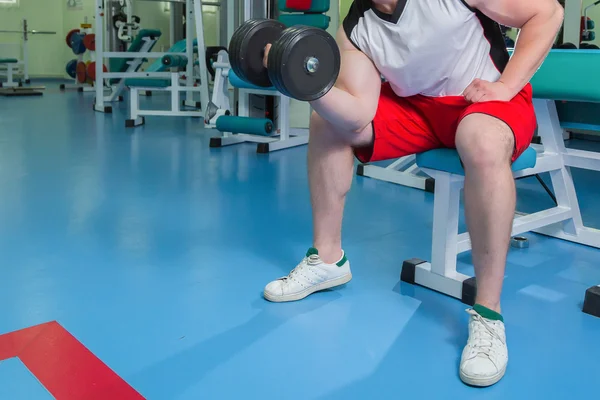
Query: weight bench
[(177, 59), (270, 134), (143, 43), (555, 80), (12, 88), (11, 65)]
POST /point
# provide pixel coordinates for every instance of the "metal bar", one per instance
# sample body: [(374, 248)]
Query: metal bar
[(129, 54), (33, 32)]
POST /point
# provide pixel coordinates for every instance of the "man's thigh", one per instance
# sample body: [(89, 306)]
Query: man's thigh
[(399, 128), (497, 128)]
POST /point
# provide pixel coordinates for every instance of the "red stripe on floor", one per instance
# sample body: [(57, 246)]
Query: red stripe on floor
[(66, 368)]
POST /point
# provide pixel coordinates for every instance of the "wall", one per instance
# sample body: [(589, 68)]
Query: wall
[(45, 51)]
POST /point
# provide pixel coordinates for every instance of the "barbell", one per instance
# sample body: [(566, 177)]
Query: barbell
[(303, 62), (33, 32)]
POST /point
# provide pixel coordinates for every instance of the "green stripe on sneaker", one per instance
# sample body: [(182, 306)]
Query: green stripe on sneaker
[(487, 313), (342, 261), (312, 251)]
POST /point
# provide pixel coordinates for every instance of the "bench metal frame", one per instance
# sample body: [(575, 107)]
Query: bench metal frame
[(562, 221), (11, 68), (137, 114)]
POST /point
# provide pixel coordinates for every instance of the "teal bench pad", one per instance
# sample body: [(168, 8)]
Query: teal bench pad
[(158, 66), (570, 75), (148, 82), (241, 84), (447, 160), (8, 61)]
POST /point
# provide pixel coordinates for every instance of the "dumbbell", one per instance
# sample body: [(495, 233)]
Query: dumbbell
[(303, 62)]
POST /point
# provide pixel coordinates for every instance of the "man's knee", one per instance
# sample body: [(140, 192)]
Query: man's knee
[(321, 129), (484, 142)]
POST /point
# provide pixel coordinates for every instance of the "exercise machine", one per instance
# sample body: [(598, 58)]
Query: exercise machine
[(126, 64), (263, 110), (21, 66), (555, 80)]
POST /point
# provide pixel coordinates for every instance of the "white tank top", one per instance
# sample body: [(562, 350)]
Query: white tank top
[(429, 47)]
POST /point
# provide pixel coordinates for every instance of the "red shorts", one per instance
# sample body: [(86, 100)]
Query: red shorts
[(411, 125)]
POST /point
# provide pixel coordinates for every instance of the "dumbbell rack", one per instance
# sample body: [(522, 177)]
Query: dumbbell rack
[(76, 85)]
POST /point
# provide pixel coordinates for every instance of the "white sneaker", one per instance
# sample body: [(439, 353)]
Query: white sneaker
[(311, 275), (485, 356)]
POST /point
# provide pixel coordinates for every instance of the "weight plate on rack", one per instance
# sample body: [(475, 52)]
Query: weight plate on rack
[(304, 63), (247, 46)]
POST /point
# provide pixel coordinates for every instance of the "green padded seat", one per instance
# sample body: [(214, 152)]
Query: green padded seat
[(8, 61), (148, 82), (158, 66), (447, 160), (120, 64)]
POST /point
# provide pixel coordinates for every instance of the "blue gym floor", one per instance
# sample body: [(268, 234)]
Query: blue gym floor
[(153, 249)]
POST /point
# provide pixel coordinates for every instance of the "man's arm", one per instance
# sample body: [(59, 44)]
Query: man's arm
[(352, 103), (539, 22)]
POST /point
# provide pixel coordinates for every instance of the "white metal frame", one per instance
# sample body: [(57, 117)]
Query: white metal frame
[(11, 68), (137, 114), (563, 221), (404, 171), (194, 12)]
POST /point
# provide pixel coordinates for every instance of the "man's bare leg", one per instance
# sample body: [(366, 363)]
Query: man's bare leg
[(330, 173), (485, 145)]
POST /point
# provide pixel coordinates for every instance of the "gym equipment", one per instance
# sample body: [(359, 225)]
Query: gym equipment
[(81, 72), (588, 46), (70, 35), (303, 62), (157, 77), (555, 80), (174, 60), (320, 21), (312, 6), (586, 33), (252, 126), (246, 49), (519, 242), (71, 68), (567, 46), (89, 41), (77, 44), (256, 107), (25, 32), (212, 54), (91, 70), (82, 42)]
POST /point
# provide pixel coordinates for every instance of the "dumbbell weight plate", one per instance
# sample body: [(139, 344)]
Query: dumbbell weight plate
[(247, 46), (304, 63)]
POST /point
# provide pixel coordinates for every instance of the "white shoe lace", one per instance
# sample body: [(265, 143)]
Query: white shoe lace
[(483, 337), (313, 259)]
